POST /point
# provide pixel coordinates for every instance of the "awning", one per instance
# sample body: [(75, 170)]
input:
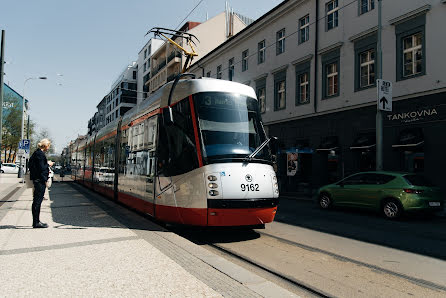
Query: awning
[(410, 137), (328, 144), (364, 142)]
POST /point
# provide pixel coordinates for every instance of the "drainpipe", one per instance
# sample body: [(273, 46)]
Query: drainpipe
[(316, 60)]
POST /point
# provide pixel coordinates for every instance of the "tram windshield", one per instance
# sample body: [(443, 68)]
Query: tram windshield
[(230, 126)]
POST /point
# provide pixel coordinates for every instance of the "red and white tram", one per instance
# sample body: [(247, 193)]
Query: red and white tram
[(195, 153)]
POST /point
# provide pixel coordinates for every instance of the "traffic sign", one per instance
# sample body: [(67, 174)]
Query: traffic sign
[(384, 99), (24, 147)]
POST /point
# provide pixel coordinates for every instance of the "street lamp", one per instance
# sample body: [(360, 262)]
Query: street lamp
[(20, 174)]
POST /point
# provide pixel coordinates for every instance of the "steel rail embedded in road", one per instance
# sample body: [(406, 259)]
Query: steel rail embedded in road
[(289, 279), (417, 281)]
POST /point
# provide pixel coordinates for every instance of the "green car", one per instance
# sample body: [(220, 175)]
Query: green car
[(391, 193)]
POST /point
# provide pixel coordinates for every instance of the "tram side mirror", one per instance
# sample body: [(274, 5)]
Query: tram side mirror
[(274, 145), (167, 116)]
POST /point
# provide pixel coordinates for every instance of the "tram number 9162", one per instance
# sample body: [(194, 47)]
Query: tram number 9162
[(249, 187)]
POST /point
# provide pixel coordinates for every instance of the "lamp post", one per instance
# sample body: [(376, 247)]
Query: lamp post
[(20, 174)]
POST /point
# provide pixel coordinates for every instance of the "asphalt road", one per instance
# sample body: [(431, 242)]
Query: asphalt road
[(421, 234)]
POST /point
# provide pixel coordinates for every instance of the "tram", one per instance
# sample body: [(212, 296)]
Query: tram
[(193, 153)]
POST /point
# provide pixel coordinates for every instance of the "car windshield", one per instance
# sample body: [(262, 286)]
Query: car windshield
[(230, 126), (418, 180)]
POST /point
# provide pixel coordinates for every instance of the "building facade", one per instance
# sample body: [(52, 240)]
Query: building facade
[(144, 66), (313, 66), (168, 60), (122, 96)]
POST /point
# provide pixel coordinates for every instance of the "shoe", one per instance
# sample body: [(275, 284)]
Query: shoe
[(40, 225)]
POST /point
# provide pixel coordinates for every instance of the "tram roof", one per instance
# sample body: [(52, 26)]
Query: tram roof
[(183, 89)]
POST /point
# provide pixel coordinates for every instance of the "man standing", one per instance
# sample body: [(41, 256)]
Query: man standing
[(39, 171)]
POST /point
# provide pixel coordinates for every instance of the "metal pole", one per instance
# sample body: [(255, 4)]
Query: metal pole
[(379, 113), (2, 64), (21, 172)]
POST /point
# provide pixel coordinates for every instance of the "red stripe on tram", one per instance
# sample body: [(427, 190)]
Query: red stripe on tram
[(197, 139)]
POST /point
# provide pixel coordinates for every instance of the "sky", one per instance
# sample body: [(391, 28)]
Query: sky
[(81, 47)]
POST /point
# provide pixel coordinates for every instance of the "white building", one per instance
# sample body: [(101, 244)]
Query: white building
[(144, 66), (122, 96), (312, 64)]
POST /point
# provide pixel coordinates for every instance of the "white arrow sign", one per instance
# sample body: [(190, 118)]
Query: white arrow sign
[(384, 99)]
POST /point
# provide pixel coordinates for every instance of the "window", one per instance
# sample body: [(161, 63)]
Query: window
[(304, 29), (303, 83), (304, 88), (208, 74), (145, 67), (134, 75), (149, 50), (231, 69), (280, 90), (332, 79), (366, 6), (280, 41), (261, 52), (411, 57), (219, 72), (330, 74), (261, 94), (145, 53), (367, 68), (245, 60), (332, 10)]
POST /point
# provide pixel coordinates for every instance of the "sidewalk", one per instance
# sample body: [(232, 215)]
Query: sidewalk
[(95, 247), (9, 184)]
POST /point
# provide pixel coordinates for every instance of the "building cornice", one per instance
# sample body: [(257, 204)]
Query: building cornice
[(303, 59), (410, 14), (262, 76), (363, 34), (330, 48), (280, 68)]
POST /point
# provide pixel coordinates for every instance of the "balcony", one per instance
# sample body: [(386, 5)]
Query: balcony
[(172, 55)]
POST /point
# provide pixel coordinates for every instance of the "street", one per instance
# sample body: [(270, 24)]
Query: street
[(413, 233)]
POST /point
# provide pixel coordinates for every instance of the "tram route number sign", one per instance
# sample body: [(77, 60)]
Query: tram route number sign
[(384, 99)]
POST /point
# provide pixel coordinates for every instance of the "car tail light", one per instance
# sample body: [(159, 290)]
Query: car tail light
[(415, 191)]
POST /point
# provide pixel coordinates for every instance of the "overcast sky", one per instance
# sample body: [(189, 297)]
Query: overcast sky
[(88, 43)]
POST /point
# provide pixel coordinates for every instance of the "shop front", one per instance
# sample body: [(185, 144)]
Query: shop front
[(330, 147)]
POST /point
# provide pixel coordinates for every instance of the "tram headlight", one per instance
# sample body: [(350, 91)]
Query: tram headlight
[(276, 186), (274, 179), (213, 193), (212, 178), (213, 185)]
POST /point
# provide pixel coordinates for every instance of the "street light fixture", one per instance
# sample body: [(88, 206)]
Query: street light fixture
[(20, 174)]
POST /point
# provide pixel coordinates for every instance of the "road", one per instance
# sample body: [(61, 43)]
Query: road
[(344, 252)]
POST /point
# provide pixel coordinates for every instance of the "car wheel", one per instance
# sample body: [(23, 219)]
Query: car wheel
[(392, 209), (325, 201), (2, 171)]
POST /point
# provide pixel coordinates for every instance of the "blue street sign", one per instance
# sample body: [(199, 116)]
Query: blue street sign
[(24, 145)]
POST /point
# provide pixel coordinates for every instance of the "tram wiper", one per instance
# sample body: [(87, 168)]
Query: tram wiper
[(258, 149)]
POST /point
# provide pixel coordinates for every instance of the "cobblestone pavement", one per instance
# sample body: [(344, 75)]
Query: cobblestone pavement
[(95, 247)]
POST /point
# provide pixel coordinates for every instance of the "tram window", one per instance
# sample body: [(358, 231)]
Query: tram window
[(177, 151)]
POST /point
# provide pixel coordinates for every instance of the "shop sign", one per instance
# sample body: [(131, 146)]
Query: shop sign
[(291, 163), (413, 116)]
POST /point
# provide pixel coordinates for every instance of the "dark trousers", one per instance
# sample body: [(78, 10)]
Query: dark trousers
[(39, 192)]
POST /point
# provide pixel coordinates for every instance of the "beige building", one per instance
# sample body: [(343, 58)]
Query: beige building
[(168, 61)]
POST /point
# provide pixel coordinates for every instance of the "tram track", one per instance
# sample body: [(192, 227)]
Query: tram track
[(288, 279), (312, 276)]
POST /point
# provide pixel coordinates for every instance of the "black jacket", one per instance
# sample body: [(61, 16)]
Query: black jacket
[(38, 166)]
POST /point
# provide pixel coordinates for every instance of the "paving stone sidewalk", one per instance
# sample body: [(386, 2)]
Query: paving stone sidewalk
[(95, 247)]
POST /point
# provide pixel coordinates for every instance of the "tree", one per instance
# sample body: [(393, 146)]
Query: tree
[(11, 133)]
